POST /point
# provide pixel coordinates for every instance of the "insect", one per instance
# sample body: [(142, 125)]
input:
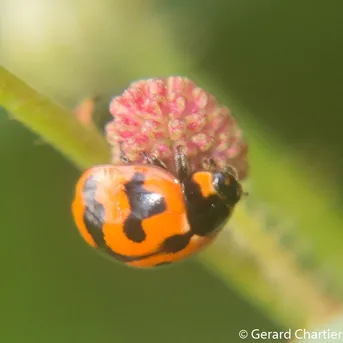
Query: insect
[(144, 216)]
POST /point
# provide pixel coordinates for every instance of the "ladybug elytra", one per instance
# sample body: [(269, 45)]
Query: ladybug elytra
[(144, 216)]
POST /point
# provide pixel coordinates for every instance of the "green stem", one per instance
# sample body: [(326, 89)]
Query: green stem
[(84, 146), (251, 257)]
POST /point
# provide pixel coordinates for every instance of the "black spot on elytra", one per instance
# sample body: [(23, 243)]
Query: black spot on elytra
[(94, 213), (143, 205), (94, 216), (176, 243), (133, 229), (205, 215)]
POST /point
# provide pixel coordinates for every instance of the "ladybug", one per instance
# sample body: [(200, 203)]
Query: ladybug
[(144, 216)]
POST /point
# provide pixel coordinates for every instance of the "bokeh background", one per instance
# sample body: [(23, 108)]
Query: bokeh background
[(279, 63)]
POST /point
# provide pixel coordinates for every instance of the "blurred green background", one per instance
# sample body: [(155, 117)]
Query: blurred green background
[(281, 59)]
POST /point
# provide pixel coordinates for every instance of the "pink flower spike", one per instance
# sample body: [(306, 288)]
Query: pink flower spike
[(156, 115)]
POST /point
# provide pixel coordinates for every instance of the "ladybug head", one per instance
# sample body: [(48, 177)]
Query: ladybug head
[(227, 186)]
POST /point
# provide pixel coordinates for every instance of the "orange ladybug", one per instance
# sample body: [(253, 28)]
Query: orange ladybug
[(144, 216)]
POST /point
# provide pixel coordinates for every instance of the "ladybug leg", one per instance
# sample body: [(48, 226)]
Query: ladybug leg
[(85, 111), (154, 160), (231, 170), (123, 158), (212, 164), (209, 164), (181, 163)]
